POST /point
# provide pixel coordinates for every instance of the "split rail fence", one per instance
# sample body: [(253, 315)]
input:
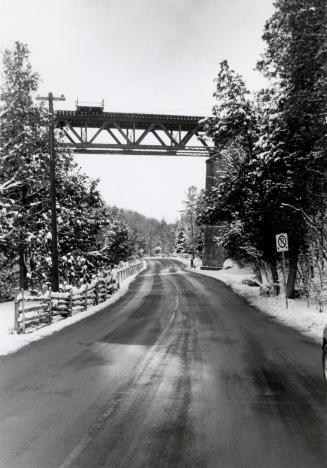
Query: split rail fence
[(39, 310)]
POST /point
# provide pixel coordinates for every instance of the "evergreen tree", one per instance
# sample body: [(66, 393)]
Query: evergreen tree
[(233, 128), (143, 229), (295, 61), (235, 197), (193, 231), (181, 245), (233, 121), (81, 215), (24, 155), (25, 233), (273, 149)]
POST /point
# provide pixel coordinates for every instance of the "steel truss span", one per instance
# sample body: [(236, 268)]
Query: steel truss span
[(133, 134)]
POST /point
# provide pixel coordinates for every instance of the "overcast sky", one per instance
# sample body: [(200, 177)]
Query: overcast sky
[(157, 56)]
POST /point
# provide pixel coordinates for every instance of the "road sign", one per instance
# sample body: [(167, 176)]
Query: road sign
[(282, 246), (282, 242)]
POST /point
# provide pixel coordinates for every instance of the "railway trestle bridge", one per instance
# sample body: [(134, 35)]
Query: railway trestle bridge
[(90, 130), (146, 134)]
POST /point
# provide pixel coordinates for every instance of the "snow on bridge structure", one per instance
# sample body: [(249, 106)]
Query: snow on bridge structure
[(93, 131), (90, 130)]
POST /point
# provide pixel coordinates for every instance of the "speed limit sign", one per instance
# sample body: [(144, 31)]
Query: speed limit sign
[(282, 242)]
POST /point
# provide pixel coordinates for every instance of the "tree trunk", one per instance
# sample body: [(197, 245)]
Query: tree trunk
[(23, 282), (290, 285), (258, 271), (264, 267), (274, 274)]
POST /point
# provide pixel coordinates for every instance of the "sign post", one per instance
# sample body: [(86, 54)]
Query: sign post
[(282, 246)]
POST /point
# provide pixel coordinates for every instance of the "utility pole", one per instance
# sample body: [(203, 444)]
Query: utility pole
[(52, 172)]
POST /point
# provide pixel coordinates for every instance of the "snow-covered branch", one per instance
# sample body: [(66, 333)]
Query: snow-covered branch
[(320, 237), (9, 184)]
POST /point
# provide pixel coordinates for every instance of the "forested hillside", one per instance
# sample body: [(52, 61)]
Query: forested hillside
[(149, 236)]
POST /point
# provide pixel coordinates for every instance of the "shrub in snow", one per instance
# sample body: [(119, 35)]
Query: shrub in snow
[(266, 290), (250, 282), (229, 263)]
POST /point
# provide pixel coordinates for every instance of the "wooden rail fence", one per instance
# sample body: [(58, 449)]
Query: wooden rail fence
[(39, 310)]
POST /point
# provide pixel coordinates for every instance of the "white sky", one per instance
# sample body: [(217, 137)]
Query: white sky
[(157, 56)]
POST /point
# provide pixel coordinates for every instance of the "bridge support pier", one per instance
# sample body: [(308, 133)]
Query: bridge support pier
[(213, 256)]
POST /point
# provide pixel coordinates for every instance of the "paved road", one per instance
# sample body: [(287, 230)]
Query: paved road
[(179, 373)]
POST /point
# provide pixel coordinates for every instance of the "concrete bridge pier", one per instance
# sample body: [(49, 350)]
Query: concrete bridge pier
[(213, 256)]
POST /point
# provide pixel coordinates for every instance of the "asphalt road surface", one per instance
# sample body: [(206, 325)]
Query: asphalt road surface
[(180, 372)]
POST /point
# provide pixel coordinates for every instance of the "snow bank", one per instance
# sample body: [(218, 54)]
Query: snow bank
[(11, 342), (306, 319)]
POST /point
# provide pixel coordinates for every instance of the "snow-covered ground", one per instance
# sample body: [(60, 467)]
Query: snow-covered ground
[(11, 342), (305, 319)]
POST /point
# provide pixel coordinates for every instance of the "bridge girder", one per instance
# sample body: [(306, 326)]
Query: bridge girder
[(124, 133)]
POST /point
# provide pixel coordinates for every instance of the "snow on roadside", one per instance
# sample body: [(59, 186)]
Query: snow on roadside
[(11, 342), (306, 320)]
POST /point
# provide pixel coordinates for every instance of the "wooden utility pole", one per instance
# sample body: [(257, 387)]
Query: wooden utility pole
[(52, 173)]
